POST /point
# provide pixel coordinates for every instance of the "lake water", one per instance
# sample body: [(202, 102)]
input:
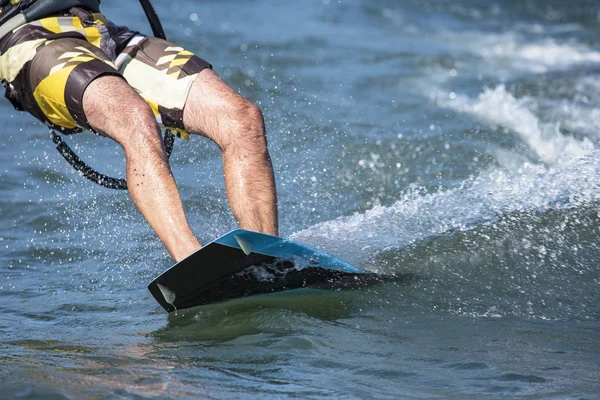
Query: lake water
[(454, 140)]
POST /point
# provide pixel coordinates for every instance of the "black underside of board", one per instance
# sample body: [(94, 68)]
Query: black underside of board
[(227, 273)]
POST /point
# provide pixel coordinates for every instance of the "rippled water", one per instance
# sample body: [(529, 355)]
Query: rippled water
[(452, 140)]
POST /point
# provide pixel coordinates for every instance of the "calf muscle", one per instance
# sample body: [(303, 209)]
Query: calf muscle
[(216, 111), (114, 109)]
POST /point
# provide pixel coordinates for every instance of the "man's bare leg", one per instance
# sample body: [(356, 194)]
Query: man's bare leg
[(236, 125), (116, 110)]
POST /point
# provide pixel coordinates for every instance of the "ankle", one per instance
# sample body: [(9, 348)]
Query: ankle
[(183, 250)]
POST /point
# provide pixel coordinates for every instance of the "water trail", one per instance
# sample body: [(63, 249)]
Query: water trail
[(418, 215), (499, 107)]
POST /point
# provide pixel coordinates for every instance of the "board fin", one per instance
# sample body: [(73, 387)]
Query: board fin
[(167, 293), (245, 245)]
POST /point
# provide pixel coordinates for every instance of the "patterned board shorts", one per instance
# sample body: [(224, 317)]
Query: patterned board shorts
[(46, 66)]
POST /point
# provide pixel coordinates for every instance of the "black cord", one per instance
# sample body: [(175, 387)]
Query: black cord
[(83, 168)]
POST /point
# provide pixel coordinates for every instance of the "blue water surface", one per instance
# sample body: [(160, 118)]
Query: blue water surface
[(454, 140)]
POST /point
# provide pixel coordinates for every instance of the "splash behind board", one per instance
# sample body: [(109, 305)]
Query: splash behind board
[(244, 263)]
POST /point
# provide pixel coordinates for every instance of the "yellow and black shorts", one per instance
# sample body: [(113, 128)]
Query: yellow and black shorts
[(46, 66)]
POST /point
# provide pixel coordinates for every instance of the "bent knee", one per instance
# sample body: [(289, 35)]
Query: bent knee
[(215, 110), (249, 120), (113, 108), (247, 127)]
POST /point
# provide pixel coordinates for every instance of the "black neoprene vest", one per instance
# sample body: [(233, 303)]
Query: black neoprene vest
[(36, 9)]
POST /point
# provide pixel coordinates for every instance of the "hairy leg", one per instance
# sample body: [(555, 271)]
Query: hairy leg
[(116, 110), (236, 125)]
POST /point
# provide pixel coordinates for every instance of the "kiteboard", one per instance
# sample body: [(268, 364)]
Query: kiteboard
[(244, 263)]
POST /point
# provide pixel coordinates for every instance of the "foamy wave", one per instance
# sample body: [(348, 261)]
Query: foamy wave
[(499, 107), (507, 53), (537, 57), (547, 29), (417, 216), (582, 114), (583, 119)]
